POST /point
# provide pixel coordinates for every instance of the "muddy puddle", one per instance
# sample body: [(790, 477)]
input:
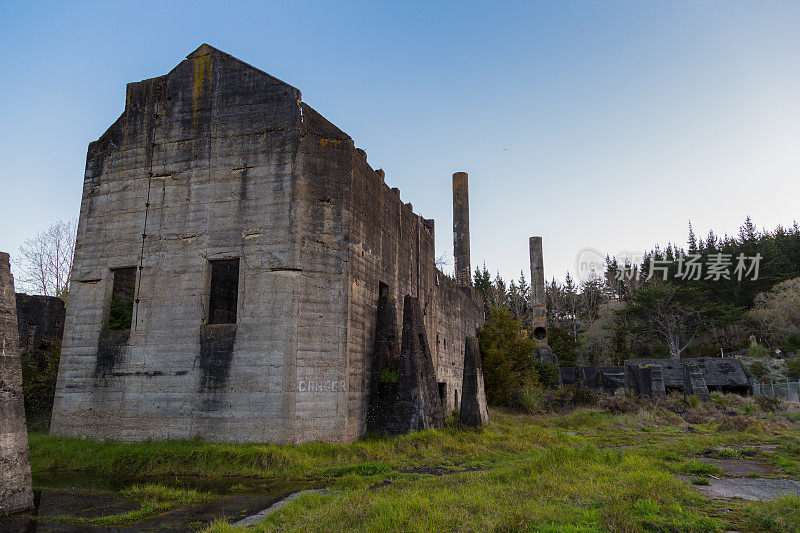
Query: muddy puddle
[(82, 496)]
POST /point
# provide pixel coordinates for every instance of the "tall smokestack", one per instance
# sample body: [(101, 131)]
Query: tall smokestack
[(538, 295), (461, 228)]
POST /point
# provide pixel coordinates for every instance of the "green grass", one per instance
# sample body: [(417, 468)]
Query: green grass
[(781, 515), (314, 460), (585, 470), (559, 487)]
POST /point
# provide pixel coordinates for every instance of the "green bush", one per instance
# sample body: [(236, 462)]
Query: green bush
[(585, 396), (563, 344), (768, 404), (758, 369), (537, 400), (793, 368), (761, 352), (121, 314), (389, 376), (721, 401), (548, 374), (792, 344), (506, 356)]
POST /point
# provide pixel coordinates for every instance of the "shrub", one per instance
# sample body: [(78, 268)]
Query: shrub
[(770, 405), (793, 368), (537, 400), (120, 315), (548, 374), (749, 409), (721, 401), (758, 369), (693, 400), (758, 351), (506, 356), (627, 403), (389, 376), (585, 396), (736, 423), (563, 345), (792, 343)]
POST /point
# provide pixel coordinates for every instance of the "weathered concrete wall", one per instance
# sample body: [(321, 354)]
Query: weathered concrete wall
[(694, 383), (40, 321), (646, 380), (219, 160), (392, 246), (15, 470), (204, 163), (457, 313), (657, 382)]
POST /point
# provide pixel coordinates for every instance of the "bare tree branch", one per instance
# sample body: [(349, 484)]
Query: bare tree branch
[(46, 260)]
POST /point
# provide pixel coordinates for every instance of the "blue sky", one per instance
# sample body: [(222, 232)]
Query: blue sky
[(593, 124)]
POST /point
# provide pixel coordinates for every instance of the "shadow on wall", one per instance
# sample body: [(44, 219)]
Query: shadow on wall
[(40, 326)]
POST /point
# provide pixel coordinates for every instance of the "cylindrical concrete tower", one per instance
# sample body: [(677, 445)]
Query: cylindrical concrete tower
[(538, 298), (461, 228)]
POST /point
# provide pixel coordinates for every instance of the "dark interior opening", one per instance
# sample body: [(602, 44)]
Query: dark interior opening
[(540, 333), (224, 292), (120, 314), (442, 390), (383, 289)]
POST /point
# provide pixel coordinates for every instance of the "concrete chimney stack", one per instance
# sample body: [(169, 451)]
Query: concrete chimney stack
[(538, 299), (461, 228)]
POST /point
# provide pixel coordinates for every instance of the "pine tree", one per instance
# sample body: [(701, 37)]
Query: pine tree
[(692, 239)]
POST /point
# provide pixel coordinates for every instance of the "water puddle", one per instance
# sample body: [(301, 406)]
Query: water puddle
[(89, 496)]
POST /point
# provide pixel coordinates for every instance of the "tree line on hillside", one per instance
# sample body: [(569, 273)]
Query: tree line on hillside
[(718, 294)]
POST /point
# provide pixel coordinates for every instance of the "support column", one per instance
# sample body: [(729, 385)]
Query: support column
[(461, 228)]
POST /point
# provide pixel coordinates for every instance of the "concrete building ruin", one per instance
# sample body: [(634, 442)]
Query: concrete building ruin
[(656, 377), (232, 249)]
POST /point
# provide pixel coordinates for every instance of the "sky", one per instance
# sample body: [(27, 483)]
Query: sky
[(596, 125)]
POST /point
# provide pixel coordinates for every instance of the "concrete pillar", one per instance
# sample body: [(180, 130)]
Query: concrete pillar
[(15, 469), (657, 377), (538, 299), (474, 412), (694, 382), (461, 228)]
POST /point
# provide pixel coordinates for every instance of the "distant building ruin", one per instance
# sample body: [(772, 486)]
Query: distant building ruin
[(724, 375), (656, 377), (233, 246)]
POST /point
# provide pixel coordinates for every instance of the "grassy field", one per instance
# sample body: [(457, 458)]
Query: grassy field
[(609, 467)]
